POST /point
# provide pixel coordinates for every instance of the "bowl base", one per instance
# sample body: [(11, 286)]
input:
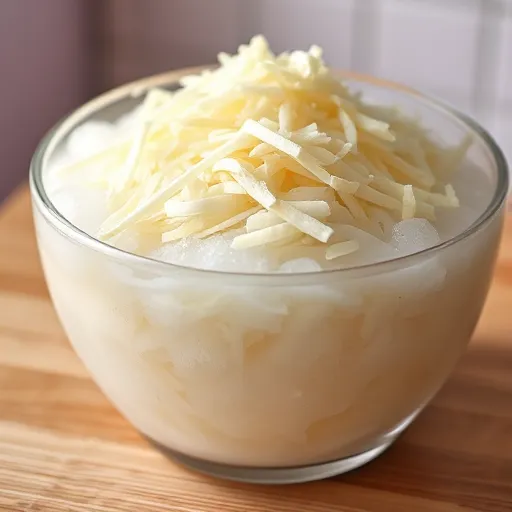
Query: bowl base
[(272, 475), (288, 475)]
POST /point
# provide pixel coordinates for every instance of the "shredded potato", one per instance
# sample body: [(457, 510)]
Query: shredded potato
[(274, 144)]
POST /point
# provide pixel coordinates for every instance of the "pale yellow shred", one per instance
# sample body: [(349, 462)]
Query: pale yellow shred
[(265, 236), (451, 196), (276, 145), (243, 173), (341, 249), (229, 223), (261, 220), (349, 127), (409, 203)]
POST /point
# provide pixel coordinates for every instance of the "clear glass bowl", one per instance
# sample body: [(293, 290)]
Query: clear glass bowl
[(271, 378)]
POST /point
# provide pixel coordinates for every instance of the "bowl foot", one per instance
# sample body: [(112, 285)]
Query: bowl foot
[(276, 475)]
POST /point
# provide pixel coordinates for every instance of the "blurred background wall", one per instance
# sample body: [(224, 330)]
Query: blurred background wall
[(44, 72), (55, 54)]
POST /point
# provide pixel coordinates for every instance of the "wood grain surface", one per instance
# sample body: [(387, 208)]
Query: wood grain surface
[(64, 448)]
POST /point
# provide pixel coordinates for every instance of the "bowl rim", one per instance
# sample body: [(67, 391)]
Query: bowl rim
[(138, 87)]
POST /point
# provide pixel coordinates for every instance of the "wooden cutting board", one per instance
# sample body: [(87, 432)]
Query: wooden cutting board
[(64, 448)]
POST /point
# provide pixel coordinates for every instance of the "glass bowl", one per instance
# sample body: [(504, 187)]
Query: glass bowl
[(271, 377)]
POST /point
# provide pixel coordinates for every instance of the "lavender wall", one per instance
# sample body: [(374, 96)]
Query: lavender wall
[(143, 38), (44, 67)]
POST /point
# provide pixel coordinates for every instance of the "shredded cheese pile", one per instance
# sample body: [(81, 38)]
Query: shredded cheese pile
[(276, 145)]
